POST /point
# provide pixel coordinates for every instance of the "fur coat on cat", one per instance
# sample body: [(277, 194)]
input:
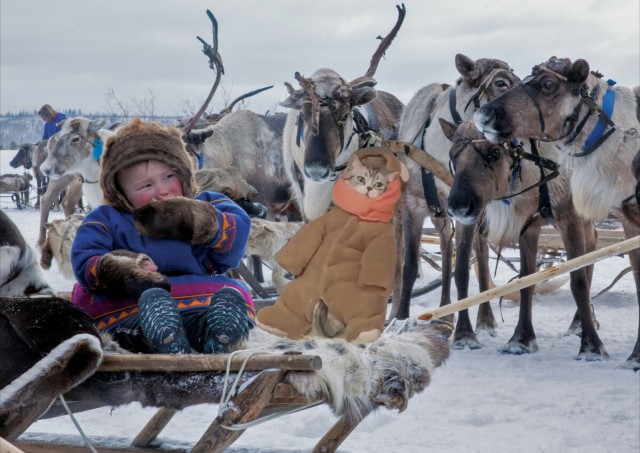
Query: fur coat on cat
[(343, 263)]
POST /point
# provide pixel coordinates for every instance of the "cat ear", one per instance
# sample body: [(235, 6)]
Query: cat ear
[(404, 173), (354, 164), (393, 175)]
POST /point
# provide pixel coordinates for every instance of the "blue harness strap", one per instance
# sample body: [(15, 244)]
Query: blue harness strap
[(608, 102), (97, 148)]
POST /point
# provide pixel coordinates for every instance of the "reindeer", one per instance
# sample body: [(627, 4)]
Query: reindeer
[(330, 118), (18, 186), (31, 156), (594, 124), (480, 80), (60, 236), (512, 193), (251, 143)]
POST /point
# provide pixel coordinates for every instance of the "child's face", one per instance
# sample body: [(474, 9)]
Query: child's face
[(150, 180)]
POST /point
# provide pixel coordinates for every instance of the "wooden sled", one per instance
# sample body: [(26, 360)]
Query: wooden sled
[(266, 395), (273, 377)]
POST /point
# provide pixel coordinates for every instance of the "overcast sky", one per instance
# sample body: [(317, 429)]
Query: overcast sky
[(72, 53)]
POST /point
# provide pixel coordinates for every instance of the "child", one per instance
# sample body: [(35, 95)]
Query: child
[(150, 238)]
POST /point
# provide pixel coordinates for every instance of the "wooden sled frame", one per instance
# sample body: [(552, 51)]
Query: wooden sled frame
[(267, 395)]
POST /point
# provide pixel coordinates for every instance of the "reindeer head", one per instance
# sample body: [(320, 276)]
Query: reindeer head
[(325, 102), (544, 105), (70, 150)]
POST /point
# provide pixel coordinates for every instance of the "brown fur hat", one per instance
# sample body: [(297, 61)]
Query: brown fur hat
[(378, 157), (141, 141)]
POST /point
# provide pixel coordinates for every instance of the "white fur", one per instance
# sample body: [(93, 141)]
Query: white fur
[(29, 274), (355, 380), (43, 366)]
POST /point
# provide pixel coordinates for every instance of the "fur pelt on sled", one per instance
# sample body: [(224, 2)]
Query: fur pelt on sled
[(47, 347), (354, 380)]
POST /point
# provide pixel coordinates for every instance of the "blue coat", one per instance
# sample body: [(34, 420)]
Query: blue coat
[(51, 127), (193, 270)]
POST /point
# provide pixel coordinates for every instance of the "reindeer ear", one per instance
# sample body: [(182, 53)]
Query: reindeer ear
[(448, 128), (363, 92), (404, 172), (578, 72), (294, 99), (465, 66)]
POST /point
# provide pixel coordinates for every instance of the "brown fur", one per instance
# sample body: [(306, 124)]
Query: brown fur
[(227, 181), (181, 218), (121, 275)]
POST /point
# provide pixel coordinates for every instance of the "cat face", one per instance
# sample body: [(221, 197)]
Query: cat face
[(369, 181)]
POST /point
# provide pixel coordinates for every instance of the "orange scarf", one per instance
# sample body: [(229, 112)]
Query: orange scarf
[(379, 209)]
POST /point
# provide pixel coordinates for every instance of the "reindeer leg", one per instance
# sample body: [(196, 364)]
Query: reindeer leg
[(524, 337), (412, 232), (573, 236), (464, 335), (633, 361), (486, 320)]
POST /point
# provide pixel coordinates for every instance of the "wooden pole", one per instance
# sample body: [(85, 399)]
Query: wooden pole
[(206, 362), (524, 282), (6, 447)]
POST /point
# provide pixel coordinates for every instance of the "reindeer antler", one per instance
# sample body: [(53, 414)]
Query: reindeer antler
[(307, 87), (215, 62), (240, 98), (384, 45)]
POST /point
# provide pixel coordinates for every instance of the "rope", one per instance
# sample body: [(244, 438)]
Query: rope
[(78, 427)]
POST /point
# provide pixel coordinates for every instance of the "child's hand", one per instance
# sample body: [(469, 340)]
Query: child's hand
[(180, 218), (148, 265)]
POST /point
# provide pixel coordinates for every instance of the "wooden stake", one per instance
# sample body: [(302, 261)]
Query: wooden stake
[(6, 447), (529, 280)]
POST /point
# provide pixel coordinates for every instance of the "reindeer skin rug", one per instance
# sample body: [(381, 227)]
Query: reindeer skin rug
[(354, 380)]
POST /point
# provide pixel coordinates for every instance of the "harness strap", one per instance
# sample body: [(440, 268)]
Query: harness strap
[(598, 135), (544, 199), (452, 107)]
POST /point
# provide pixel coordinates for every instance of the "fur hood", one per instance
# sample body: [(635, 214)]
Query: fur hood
[(140, 141)]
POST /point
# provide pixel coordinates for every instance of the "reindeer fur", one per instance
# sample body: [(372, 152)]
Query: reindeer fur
[(58, 242), (600, 181), (20, 274), (430, 103), (266, 238)]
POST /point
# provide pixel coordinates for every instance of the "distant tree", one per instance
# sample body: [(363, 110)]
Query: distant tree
[(13, 145)]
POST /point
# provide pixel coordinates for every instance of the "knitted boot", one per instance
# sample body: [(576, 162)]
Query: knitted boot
[(227, 321), (161, 323)]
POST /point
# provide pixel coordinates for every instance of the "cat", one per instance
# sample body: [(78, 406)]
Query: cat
[(370, 178)]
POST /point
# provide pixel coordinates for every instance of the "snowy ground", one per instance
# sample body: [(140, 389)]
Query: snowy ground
[(479, 401)]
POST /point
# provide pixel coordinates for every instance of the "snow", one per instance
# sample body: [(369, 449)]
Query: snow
[(479, 401)]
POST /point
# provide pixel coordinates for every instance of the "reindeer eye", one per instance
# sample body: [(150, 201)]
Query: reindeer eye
[(75, 139), (494, 155), (501, 84), (548, 85)]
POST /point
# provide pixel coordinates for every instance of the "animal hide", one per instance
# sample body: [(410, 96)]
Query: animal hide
[(354, 380), (42, 356), (181, 218), (121, 275)]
